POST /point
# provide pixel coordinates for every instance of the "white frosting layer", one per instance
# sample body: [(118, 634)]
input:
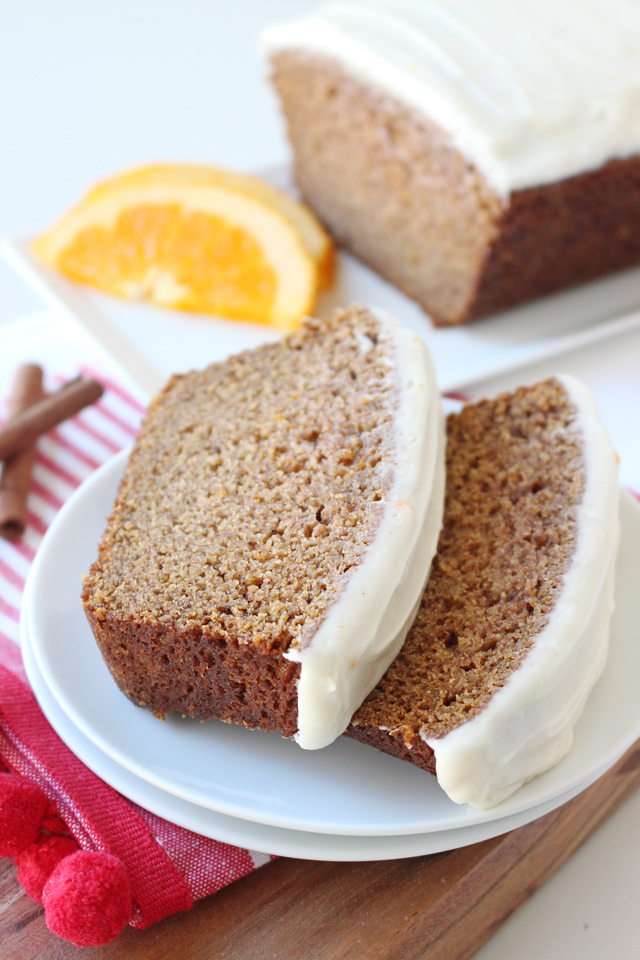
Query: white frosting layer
[(531, 91), (365, 628), (527, 727)]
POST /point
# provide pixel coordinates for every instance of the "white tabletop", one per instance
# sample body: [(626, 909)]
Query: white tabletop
[(89, 89)]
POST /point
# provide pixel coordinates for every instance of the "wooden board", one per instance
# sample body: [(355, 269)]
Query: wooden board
[(443, 906)]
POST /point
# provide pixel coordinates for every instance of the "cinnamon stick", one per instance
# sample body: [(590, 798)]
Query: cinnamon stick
[(15, 478), (23, 428)]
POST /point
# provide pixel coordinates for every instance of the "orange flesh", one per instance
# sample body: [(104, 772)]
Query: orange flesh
[(219, 268)]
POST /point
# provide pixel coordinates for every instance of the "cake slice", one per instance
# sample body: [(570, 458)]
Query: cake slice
[(512, 631), (477, 155), (274, 529)]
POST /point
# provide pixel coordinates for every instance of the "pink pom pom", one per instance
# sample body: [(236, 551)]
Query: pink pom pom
[(36, 863), (22, 806), (87, 898)]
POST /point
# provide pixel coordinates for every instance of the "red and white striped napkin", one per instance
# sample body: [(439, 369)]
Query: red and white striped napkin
[(169, 867)]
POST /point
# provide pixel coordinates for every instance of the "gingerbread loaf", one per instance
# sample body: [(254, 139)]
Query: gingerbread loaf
[(512, 630), (273, 530), (475, 155)]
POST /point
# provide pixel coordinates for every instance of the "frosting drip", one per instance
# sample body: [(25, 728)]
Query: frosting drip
[(530, 91), (366, 627), (527, 727)]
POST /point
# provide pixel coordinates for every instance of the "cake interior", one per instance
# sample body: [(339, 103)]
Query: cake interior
[(254, 487), (372, 170), (515, 479)]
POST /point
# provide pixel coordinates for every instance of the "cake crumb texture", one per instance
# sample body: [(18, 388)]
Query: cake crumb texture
[(389, 185), (254, 487), (515, 478)]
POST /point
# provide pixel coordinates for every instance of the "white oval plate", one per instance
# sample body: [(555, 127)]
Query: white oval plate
[(346, 788), (259, 837)]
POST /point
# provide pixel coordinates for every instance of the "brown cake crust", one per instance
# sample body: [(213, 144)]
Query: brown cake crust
[(198, 673), (561, 234), (392, 189), (515, 478), (254, 487)]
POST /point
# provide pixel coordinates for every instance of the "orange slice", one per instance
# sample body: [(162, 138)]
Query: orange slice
[(208, 243), (315, 237)]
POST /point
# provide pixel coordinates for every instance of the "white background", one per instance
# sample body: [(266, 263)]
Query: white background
[(91, 88)]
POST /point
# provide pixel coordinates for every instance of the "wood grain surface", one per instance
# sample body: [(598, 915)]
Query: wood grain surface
[(440, 907)]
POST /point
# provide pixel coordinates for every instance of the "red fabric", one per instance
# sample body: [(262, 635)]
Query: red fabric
[(457, 395), (167, 866), (92, 810)]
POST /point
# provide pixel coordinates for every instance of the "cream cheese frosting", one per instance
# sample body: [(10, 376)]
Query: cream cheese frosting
[(530, 91), (527, 726), (366, 626)]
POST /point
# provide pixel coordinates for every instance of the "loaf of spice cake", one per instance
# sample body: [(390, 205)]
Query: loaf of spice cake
[(274, 528), (512, 631), (477, 155)]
